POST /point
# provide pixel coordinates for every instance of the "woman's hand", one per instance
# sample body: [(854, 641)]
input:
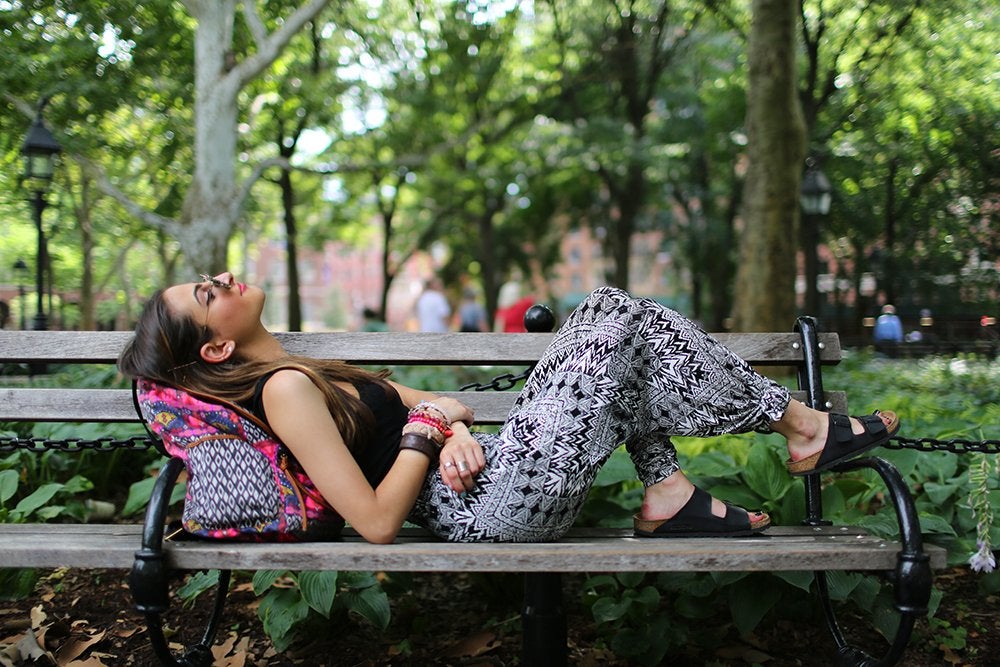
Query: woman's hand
[(456, 411), (461, 459)]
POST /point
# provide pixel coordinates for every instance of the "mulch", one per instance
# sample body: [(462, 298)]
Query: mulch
[(84, 618)]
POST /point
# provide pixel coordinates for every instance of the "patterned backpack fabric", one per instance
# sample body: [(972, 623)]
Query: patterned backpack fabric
[(242, 482)]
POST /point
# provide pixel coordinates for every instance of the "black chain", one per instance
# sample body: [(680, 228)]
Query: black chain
[(106, 444), (500, 382), (954, 445)]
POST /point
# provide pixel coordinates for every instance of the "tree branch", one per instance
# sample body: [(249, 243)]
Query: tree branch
[(105, 185), (256, 26), (271, 45)]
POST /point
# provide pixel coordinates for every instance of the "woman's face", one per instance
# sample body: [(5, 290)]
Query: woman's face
[(230, 310)]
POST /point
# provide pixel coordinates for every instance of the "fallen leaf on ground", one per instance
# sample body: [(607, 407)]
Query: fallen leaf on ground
[(38, 616), (474, 645), (123, 630), (747, 654), (30, 649), (74, 647), (92, 661), (220, 651)]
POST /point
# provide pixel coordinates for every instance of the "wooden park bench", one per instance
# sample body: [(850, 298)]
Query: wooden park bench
[(814, 545)]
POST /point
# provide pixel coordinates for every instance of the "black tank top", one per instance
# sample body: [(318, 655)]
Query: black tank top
[(377, 454)]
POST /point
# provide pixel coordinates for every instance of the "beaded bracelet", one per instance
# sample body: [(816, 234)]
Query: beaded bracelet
[(421, 413), (440, 426), (428, 406), (420, 443)]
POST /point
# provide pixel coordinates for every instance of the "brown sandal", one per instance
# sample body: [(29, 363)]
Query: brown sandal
[(695, 519), (842, 444)]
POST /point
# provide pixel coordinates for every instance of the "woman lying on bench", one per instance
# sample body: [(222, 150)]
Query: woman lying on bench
[(619, 370)]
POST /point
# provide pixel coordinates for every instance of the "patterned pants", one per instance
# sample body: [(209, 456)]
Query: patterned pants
[(620, 370)]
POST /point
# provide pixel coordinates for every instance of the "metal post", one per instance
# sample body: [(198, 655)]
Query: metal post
[(21, 297), (40, 323), (543, 622)]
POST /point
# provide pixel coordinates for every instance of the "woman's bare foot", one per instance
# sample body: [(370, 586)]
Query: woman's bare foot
[(665, 498), (806, 429)]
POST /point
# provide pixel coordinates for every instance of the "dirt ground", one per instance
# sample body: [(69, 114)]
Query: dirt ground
[(81, 618)]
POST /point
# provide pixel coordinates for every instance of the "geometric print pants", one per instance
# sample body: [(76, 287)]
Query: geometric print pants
[(620, 370)]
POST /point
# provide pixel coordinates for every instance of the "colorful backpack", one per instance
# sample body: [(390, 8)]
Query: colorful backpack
[(242, 483)]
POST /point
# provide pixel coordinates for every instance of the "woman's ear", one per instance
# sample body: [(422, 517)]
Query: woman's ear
[(216, 353)]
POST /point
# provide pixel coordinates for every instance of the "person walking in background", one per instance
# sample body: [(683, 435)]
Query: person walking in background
[(433, 309), (511, 308), (888, 331), (471, 314)]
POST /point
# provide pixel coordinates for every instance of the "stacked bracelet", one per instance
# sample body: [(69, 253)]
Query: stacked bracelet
[(427, 414), (421, 443)]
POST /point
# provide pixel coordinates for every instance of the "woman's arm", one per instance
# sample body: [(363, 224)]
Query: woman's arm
[(461, 457), (299, 416)]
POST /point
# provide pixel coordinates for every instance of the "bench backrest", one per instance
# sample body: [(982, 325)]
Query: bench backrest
[(373, 348)]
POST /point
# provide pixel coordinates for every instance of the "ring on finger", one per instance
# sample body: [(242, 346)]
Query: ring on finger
[(463, 466), (449, 464)]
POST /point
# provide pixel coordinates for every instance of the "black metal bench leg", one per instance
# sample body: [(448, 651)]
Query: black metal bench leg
[(543, 621), (148, 579), (912, 576)]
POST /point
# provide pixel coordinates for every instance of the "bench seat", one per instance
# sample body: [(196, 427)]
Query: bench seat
[(781, 548)]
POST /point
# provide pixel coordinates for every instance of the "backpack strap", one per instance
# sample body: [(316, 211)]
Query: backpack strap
[(156, 441)]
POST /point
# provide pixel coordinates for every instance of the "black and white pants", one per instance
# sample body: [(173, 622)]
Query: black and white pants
[(620, 370)]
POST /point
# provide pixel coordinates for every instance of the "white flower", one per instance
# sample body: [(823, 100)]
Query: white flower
[(982, 560)]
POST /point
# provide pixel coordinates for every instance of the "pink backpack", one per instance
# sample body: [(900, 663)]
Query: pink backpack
[(242, 482)]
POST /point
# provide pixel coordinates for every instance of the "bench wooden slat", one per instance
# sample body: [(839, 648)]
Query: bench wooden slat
[(387, 348), (590, 550), (115, 405)]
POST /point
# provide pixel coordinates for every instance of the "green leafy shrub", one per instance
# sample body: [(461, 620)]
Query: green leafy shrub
[(935, 398), (292, 602)]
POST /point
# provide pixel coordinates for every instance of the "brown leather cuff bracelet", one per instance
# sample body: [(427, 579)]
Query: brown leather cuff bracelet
[(421, 443)]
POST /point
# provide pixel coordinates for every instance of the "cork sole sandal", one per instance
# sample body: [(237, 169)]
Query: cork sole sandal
[(842, 444), (695, 519)]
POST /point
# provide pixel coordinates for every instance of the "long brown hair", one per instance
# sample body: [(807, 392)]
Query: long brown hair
[(167, 349)]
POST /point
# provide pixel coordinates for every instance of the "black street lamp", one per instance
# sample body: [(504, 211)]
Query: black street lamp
[(815, 197), (21, 269), (40, 150)]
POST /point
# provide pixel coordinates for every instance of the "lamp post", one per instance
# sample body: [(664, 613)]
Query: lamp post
[(814, 197), (40, 150), (21, 269)]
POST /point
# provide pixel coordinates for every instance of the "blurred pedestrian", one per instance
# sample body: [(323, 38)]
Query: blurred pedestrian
[(512, 307), (433, 309), (888, 331), (471, 313)]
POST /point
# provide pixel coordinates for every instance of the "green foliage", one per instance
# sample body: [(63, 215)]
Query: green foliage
[(293, 602), (937, 398), (290, 600), (139, 494), (20, 503), (628, 612), (40, 503)]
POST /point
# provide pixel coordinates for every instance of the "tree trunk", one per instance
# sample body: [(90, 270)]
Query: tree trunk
[(291, 251), (82, 212), (487, 259), (887, 281), (765, 297), (210, 206)]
